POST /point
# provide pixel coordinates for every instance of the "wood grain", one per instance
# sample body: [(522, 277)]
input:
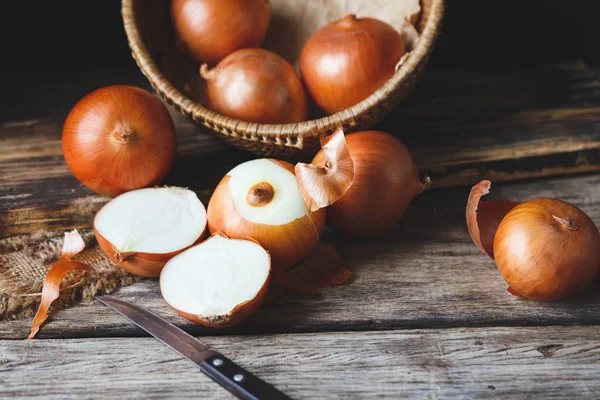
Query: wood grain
[(460, 125), (425, 273), (544, 362)]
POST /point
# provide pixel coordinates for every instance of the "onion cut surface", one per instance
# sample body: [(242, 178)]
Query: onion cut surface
[(260, 199), (287, 203), (218, 282), (151, 224)]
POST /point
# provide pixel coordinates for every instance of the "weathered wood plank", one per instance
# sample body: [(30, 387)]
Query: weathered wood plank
[(460, 126), (424, 273), (543, 362)]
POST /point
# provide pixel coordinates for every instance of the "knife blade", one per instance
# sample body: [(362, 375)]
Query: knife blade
[(219, 368)]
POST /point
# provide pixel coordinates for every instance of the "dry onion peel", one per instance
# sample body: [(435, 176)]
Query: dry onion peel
[(483, 217), (322, 185), (322, 267), (73, 245)]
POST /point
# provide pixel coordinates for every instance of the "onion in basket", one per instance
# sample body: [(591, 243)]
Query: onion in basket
[(260, 199), (255, 85), (346, 61), (143, 229), (209, 30), (217, 283)]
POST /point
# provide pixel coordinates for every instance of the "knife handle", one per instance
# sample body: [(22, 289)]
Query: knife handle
[(237, 380)]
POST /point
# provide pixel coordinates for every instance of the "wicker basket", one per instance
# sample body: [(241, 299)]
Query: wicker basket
[(151, 39)]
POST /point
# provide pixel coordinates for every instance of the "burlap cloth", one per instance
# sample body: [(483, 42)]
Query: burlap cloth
[(24, 261)]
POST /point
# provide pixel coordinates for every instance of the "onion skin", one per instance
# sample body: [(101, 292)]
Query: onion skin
[(72, 246), (547, 250), (255, 85), (322, 267), (119, 138), (483, 217), (238, 315), (209, 30), (386, 179), (287, 244), (346, 61), (322, 186)]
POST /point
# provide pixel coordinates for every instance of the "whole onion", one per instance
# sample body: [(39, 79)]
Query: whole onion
[(255, 85), (119, 138), (372, 198), (209, 30), (547, 249), (346, 61)]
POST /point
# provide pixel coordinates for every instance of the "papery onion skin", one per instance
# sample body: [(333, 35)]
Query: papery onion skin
[(72, 246), (483, 217), (322, 267), (322, 186), (119, 138), (209, 30), (547, 249), (386, 179), (346, 61), (255, 85), (287, 244)]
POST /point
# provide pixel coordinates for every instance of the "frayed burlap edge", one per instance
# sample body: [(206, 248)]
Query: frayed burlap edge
[(25, 260)]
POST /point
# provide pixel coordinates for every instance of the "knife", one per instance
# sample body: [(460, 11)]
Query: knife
[(219, 368)]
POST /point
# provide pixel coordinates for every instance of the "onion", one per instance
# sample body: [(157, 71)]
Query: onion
[(217, 283), (547, 249), (143, 229), (260, 199), (346, 61), (119, 138), (209, 30), (386, 179), (255, 85)]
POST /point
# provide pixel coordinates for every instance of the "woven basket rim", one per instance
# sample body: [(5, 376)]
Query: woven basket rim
[(305, 129)]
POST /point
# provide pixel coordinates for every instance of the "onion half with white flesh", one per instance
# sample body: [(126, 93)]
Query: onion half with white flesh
[(143, 229), (219, 282)]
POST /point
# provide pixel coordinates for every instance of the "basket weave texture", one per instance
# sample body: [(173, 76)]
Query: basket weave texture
[(151, 40)]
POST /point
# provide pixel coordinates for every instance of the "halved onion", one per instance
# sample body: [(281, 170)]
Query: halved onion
[(219, 282), (143, 229), (260, 199)]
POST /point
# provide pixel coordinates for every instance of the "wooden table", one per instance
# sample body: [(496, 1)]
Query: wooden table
[(426, 315)]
